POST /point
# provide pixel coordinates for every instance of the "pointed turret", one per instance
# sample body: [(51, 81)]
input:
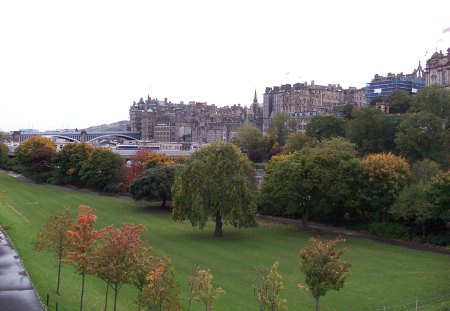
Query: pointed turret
[(420, 73), (255, 99)]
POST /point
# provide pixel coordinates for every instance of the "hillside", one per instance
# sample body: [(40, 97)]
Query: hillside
[(380, 275), (117, 126)]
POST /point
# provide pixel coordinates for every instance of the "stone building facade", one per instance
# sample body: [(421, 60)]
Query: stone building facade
[(437, 70), (302, 101), (193, 122)]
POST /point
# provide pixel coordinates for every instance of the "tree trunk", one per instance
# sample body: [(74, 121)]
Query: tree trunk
[(106, 296), (163, 204), (116, 292), (59, 276), (424, 230), (82, 291), (317, 304), (218, 233), (140, 300), (305, 219)]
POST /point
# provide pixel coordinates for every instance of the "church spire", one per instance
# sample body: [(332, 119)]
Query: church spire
[(255, 100)]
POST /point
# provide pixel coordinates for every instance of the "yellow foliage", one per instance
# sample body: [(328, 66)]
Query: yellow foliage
[(158, 159), (380, 165), (277, 159), (31, 144)]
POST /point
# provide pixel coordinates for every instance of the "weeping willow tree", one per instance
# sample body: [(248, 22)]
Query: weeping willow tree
[(217, 181)]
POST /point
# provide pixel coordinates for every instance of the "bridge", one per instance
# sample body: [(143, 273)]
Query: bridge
[(75, 135), (128, 154)]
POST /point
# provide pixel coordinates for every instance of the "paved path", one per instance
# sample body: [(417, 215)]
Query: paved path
[(16, 291)]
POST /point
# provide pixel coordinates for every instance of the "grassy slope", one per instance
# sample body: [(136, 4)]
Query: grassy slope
[(380, 274)]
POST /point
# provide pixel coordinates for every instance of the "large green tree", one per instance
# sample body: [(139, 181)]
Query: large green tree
[(251, 140), (216, 181), (346, 111), (35, 154), (325, 126), (422, 136), (372, 130), (412, 205), (249, 137), (385, 175), (424, 170), (297, 141), (154, 184), (281, 126), (103, 170), (439, 197), (399, 102), (433, 99), (69, 160), (300, 184)]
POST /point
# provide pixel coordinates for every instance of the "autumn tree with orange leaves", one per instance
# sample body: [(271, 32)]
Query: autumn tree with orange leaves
[(142, 268), (323, 268), (53, 238), (115, 257), (160, 292), (83, 238), (158, 159), (137, 164)]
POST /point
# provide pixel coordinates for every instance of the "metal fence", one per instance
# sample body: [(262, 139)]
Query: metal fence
[(420, 305)]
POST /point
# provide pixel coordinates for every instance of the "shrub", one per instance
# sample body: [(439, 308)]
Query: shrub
[(112, 188), (390, 230), (440, 238), (14, 166), (43, 177)]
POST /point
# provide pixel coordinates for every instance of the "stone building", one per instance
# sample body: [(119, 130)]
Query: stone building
[(255, 114), (437, 70), (302, 101), (193, 122)]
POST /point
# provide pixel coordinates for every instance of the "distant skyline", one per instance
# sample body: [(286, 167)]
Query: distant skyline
[(83, 63)]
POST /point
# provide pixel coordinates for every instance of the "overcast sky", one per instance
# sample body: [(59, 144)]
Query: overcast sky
[(75, 64)]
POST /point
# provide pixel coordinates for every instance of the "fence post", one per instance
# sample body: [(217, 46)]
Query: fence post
[(417, 304), (48, 296)]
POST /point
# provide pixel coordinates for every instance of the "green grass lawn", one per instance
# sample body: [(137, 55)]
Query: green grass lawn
[(380, 274)]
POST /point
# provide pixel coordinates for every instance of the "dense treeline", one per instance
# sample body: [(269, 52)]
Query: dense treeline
[(384, 172), (77, 164)]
